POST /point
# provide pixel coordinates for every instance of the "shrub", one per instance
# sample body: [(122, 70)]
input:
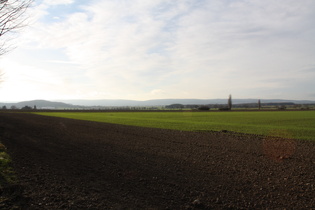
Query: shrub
[(204, 108)]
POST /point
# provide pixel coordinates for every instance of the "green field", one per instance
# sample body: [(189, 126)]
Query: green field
[(289, 124)]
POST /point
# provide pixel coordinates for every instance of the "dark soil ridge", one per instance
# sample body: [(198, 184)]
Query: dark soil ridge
[(73, 164)]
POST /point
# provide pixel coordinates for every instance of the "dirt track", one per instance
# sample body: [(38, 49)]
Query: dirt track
[(71, 164)]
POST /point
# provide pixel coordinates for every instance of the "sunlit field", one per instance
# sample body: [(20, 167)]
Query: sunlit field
[(288, 124)]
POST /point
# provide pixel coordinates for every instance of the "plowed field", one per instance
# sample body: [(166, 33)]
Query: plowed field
[(72, 164)]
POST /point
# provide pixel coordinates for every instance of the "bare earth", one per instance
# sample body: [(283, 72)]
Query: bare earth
[(72, 164)]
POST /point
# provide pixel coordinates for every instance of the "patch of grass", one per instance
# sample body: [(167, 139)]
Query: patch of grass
[(8, 179), (289, 124), (7, 175)]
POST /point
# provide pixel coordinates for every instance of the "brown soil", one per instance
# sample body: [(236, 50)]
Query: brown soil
[(72, 164)]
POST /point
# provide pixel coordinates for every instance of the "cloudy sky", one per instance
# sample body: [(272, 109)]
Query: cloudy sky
[(143, 49)]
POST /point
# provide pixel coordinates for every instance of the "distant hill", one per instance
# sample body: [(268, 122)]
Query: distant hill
[(164, 102), (77, 104), (40, 104)]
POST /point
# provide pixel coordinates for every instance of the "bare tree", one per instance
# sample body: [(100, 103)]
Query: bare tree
[(11, 18)]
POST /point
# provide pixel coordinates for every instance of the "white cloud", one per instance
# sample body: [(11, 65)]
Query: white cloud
[(206, 49), (58, 2)]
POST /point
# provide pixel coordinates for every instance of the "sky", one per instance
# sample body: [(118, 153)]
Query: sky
[(142, 50)]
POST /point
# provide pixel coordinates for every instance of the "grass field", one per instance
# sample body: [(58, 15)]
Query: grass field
[(288, 124)]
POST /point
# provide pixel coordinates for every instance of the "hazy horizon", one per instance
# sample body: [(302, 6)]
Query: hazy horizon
[(144, 50), (203, 99)]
